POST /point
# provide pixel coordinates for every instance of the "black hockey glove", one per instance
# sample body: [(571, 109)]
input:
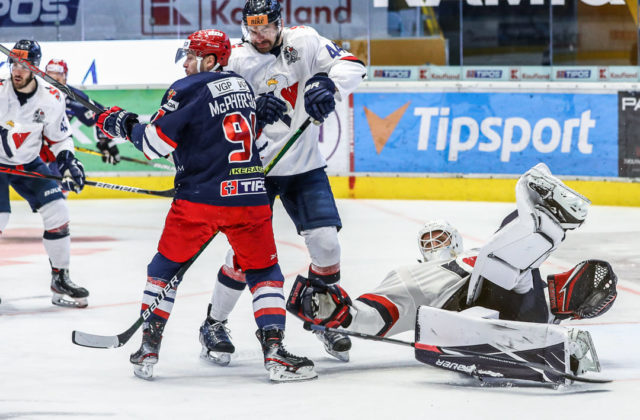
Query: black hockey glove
[(72, 171), (116, 122), (317, 303), (269, 109), (318, 97), (108, 148)]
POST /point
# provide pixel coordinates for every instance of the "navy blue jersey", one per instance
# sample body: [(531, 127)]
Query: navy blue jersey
[(76, 109), (207, 120)]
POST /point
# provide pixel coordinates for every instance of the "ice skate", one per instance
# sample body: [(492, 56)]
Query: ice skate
[(582, 353), (216, 342), (65, 292), (146, 357), (336, 344), (282, 365)]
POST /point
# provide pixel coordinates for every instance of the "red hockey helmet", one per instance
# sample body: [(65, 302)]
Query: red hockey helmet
[(205, 42), (57, 66)]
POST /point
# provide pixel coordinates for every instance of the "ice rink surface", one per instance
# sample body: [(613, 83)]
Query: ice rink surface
[(43, 375)]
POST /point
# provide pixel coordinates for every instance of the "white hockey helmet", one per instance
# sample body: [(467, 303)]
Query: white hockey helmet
[(438, 239)]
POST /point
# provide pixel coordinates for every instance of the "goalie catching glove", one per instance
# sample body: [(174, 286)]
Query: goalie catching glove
[(586, 291), (320, 304)]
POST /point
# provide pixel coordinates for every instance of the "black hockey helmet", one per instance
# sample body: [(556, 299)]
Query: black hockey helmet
[(29, 50), (261, 12)]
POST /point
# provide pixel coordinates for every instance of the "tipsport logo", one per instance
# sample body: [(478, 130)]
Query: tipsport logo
[(491, 134), (236, 187)]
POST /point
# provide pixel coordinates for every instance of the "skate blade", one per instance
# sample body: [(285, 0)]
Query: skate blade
[(63, 300), (143, 371), (281, 374), (215, 357), (343, 356)]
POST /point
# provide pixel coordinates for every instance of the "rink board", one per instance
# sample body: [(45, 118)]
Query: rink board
[(612, 193)]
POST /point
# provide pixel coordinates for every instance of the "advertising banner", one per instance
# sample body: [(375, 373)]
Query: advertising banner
[(486, 133), (629, 133)]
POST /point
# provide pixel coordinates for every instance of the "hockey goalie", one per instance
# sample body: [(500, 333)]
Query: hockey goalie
[(484, 312)]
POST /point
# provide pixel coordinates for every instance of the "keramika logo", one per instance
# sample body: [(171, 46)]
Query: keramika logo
[(381, 128)]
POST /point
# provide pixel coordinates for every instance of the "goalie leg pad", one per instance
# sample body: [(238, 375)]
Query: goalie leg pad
[(586, 291), (490, 348)]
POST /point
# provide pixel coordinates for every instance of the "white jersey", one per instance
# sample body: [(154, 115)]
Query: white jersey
[(41, 118), (391, 307), (304, 53)]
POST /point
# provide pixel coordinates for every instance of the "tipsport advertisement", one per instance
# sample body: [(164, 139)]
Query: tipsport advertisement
[(486, 133)]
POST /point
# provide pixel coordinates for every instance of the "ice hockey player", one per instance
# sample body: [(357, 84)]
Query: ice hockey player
[(297, 74), (30, 111), (58, 69), (501, 279), (208, 122)]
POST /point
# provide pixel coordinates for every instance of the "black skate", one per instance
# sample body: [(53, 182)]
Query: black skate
[(147, 355), (336, 344), (282, 365), (65, 292), (216, 342)]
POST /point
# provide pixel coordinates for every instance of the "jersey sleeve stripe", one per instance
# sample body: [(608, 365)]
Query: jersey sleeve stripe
[(387, 310), (155, 143), (352, 59)]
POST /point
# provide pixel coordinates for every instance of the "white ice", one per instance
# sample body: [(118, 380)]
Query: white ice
[(44, 375)]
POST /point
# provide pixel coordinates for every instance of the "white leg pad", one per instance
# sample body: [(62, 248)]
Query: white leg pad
[(4, 221), (54, 214), (323, 245)]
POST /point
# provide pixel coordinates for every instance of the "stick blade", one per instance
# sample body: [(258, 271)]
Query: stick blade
[(95, 341)]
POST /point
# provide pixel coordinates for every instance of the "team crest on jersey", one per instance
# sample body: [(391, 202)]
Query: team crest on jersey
[(234, 187), (38, 116), (291, 55)]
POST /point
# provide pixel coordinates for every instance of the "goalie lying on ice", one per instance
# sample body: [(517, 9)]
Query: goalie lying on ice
[(500, 280)]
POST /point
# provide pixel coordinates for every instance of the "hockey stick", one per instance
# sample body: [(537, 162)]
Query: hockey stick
[(125, 188), (128, 159), (522, 363), (287, 146), (61, 86), (113, 341)]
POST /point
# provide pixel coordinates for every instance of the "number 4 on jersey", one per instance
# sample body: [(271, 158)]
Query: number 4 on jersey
[(334, 51)]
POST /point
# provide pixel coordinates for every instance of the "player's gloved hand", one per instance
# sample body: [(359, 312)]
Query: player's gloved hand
[(318, 97), (108, 148), (72, 171), (269, 109), (116, 122)]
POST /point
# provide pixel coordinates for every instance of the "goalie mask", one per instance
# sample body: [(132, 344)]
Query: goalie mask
[(438, 239), (567, 206), (586, 291)]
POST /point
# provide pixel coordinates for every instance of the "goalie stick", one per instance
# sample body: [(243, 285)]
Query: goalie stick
[(128, 159), (511, 362), (125, 188), (113, 341)]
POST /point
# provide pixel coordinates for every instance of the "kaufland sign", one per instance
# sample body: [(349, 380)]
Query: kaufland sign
[(435, 3)]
